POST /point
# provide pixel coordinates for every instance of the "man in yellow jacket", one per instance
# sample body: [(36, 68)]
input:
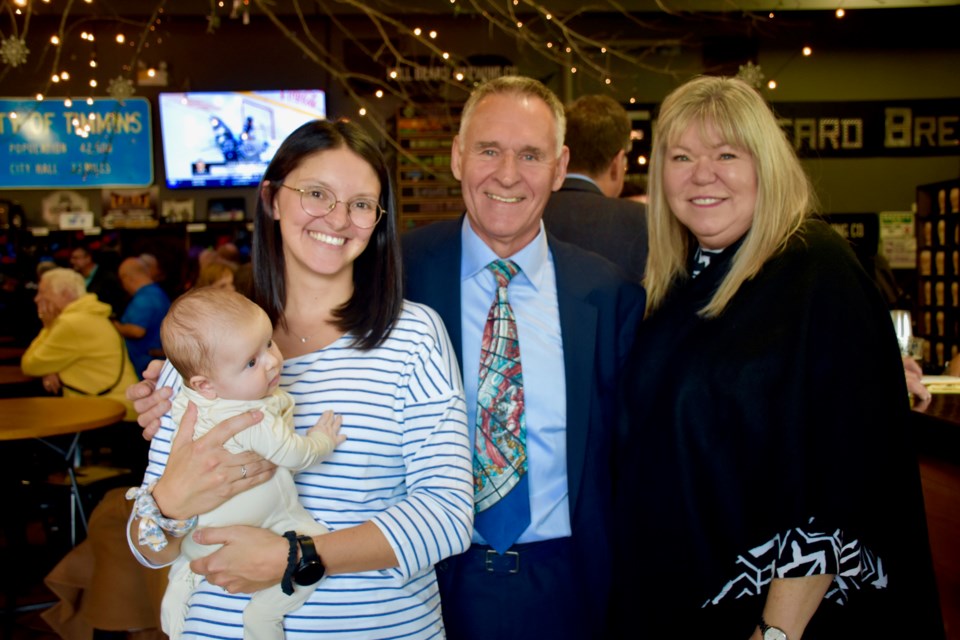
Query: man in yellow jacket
[(78, 349)]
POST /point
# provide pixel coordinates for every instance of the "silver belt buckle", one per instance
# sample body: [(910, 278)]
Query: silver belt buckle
[(494, 561)]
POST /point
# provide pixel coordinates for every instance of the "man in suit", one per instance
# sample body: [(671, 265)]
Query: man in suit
[(587, 211), (575, 320)]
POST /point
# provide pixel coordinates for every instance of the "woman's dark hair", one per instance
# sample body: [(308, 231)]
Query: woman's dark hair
[(377, 296)]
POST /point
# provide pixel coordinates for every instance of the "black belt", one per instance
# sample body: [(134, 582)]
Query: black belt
[(517, 556)]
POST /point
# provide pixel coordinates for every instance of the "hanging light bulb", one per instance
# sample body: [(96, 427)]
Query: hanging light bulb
[(807, 51), (841, 13)]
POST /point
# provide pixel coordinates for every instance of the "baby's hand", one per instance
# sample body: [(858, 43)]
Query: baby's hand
[(329, 424)]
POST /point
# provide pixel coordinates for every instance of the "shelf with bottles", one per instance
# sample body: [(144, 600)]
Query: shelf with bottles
[(426, 188), (938, 271)]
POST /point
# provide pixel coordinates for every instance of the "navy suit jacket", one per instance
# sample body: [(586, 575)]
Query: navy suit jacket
[(599, 312), (615, 228)]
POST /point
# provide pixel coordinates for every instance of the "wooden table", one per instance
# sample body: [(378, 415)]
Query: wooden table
[(24, 418), (41, 418)]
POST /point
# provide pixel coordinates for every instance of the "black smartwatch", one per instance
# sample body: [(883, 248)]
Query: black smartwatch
[(309, 570)]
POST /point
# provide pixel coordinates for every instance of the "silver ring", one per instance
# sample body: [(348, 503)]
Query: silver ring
[(243, 471)]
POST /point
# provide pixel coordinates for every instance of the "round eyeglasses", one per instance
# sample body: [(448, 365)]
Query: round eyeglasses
[(317, 202)]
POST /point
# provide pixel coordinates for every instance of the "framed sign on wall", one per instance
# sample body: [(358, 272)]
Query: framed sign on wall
[(60, 143)]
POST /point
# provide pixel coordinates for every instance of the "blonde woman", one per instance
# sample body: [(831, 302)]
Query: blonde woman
[(770, 491)]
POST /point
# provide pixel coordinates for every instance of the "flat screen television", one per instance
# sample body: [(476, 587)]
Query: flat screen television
[(227, 138)]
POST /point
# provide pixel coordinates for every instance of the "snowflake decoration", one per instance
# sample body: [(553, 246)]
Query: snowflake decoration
[(120, 88), (14, 51), (751, 74)]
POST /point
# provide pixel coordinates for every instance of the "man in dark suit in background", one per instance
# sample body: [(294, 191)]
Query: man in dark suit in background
[(99, 280), (586, 211), (575, 319)]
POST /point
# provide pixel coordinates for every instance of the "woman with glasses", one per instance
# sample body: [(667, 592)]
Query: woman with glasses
[(397, 495)]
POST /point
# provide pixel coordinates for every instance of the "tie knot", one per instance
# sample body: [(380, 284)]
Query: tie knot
[(503, 271)]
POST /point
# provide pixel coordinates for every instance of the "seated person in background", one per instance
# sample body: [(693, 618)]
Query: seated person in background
[(153, 267), (217, 275), (222, 345), (140, 323), (99, 280), (77, 349)]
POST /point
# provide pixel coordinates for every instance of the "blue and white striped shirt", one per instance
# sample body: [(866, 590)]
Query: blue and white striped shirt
[(406, 466)]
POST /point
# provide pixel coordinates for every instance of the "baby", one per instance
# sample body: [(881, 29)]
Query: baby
[(221, 343)]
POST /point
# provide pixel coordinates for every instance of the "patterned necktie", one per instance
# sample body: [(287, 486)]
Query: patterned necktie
[(501, 495)]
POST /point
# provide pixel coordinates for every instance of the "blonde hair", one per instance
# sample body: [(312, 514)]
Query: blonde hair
[(518, 86), (65, 281), (212, 273), (785, 197), (190, 329)]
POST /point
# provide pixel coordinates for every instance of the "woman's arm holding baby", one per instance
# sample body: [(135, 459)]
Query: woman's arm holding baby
[(199, 476)]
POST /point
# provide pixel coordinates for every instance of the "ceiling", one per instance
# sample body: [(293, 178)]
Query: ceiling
[(133, 8)]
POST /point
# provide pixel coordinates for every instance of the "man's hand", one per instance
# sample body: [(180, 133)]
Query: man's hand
[(47, 312), (51, 383), (914, 376)]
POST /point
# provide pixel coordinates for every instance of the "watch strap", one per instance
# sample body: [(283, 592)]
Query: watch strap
[(286, 583)]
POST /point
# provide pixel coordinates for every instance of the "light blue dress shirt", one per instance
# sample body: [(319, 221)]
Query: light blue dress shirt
[(533, 297), (584, 177)]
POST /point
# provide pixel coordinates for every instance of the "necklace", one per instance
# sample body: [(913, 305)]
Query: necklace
[(302, 339)]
